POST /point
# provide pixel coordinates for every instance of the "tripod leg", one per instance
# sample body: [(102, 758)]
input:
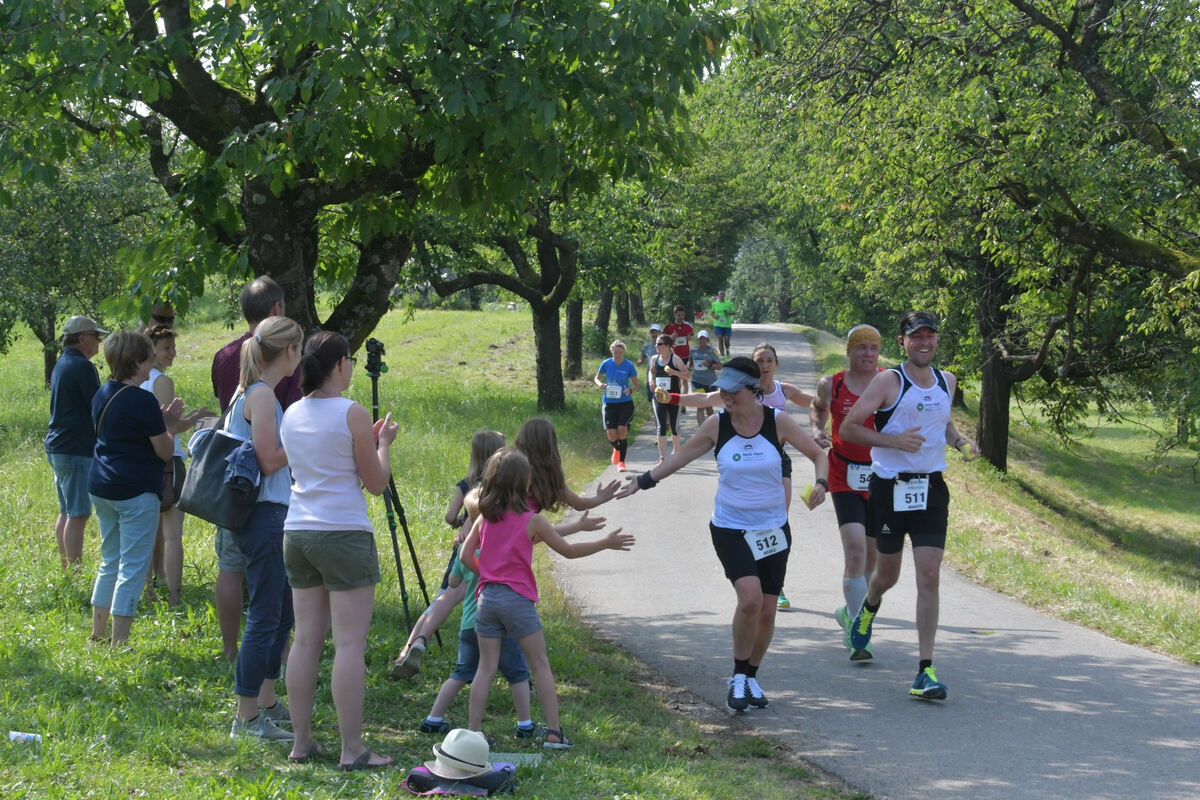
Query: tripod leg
[(412, 552), (387, 504)]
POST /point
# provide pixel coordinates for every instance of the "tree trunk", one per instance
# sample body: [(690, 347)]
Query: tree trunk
[(548, 344), (636, 309), (43, 326), (573, 365), (604, 311), (623, 299), (995, 393)]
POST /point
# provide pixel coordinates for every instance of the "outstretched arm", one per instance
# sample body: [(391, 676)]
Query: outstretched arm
[(540, 528), (699, 444)]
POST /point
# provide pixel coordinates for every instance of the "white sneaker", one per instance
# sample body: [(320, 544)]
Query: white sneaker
[(754, 692), (736, 700), (261, 727)]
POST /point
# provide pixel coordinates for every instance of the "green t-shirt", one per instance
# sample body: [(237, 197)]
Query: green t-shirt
[(470, 580), (722, 310)]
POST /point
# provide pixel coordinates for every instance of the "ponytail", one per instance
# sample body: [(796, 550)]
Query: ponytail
[(269, 341)]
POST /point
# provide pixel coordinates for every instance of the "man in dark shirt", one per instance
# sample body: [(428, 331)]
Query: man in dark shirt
[(261, 298), (70, 437)]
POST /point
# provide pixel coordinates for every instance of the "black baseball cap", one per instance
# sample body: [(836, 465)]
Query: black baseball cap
[(915, 322)]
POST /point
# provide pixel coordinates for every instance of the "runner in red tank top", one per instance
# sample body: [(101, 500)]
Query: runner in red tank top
[(849, 466)]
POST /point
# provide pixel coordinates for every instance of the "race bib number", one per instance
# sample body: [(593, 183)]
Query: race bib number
[(910, 495), (662, 383), (858, 477), (614, 391), (680, 341), (766, 542)]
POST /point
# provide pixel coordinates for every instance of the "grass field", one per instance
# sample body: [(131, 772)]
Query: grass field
[(154, 721), (1103, 533)]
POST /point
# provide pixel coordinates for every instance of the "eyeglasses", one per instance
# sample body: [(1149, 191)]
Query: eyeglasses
[(353, 361), (163, 320), (92, 333)]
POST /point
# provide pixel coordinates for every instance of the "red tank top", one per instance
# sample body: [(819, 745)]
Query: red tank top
[(840, 402)]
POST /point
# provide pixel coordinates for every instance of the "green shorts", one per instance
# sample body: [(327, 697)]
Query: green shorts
[(337, 560)]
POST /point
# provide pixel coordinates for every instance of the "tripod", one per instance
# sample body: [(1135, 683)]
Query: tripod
[(391, 498)]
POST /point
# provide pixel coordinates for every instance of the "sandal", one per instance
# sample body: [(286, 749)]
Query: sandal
[(313, 753), (364, 762), (563, 742)]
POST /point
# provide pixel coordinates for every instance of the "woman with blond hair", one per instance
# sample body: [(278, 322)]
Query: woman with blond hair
[(269, 356)]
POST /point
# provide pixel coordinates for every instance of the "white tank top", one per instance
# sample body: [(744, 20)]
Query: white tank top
[(776, 399), (326, 495), (148, 385), (916, 406), (750, 487)]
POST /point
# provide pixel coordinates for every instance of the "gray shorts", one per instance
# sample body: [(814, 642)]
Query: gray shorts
[(229, 555), (502, 612)]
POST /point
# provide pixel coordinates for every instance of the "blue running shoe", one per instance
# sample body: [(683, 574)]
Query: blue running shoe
[(860, 631), (782, 602), (927, 686)]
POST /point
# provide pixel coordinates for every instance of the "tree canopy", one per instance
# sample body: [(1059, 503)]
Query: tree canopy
[(302, 139)]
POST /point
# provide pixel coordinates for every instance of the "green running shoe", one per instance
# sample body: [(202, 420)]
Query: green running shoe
[(782, 602), (843, 618), (927, 686)]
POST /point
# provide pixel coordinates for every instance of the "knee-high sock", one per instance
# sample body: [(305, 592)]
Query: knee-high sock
[(854, 590)]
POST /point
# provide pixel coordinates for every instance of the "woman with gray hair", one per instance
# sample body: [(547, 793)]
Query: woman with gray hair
[(132, 442)]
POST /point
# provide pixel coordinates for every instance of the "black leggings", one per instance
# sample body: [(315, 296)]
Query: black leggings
[(668, 417)]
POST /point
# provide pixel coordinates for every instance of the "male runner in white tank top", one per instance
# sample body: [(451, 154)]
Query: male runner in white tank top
[(911, 408)]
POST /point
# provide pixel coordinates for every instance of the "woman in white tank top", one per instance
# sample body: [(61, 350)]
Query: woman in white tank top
[(328, 542)]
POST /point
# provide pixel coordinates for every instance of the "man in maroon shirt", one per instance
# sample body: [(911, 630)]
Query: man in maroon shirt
[(261, 298), (681, 331)]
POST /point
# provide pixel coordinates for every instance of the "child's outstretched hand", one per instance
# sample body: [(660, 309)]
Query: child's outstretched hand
[(619, 541), (606, 493), (586, 523)]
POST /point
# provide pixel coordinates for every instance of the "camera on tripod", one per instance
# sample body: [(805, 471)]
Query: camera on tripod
[(375, 354)]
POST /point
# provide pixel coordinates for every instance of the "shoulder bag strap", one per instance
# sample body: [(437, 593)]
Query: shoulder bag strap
[(106, 405)]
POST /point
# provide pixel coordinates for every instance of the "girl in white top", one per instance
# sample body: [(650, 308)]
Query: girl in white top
[(168, 544), (328, 543)]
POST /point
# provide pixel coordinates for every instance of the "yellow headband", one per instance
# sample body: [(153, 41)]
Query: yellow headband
[(862, 334)]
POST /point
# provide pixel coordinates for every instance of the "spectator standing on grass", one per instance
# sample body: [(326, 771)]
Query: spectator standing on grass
[(618, 378), (749, 526), (261, 298), (329, 545), (133, 440), (849, 467), (168, 543), (649, 350), (910, 404), (722, 312), (71, 434), (270, 355)]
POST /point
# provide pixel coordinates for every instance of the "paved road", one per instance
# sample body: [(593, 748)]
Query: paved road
[(1037, 707)]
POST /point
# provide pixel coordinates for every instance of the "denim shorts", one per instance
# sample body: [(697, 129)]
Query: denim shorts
[(71, 483), (337, 560), (512, 660), (229, 555), (502, 612)]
